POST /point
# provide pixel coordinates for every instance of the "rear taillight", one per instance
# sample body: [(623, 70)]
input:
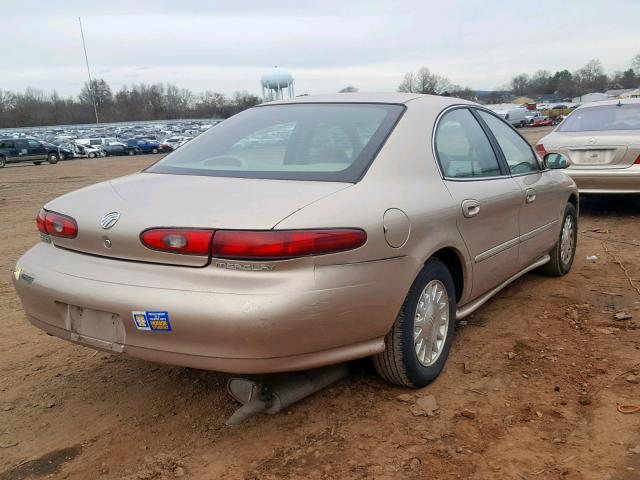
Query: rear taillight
[(541, 150), (275, 244), (56, 224), (637, 162), (40, 220), (178, 240)]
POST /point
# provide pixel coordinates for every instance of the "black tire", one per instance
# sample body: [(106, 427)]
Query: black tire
[(37, 163), (92, 155), (132, 152), (523, 123), (53, 158), (154, 150), (3, 161), (399, 363), (560, 264)]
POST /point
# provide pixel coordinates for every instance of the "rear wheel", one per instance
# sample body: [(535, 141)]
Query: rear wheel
[(132, 152), (3, 162), (53, 158), (417, 347), (564, 251), (154, 150), (92, 155)]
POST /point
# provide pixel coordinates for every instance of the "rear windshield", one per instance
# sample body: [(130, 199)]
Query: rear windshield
[(605, 117), (327, 142)]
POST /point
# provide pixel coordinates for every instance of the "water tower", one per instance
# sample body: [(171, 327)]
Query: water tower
[(275, 82)]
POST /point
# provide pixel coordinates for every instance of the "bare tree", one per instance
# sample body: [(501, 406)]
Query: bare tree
[(101, 92), (591, 77), (424, 82), (520, 84), (635, 62)]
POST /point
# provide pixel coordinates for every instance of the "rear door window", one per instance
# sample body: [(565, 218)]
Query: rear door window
[(463, 149)]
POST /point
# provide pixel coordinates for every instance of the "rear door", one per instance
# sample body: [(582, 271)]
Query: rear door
[(542, 196), (22, 151), (488, 200), (36, 150)]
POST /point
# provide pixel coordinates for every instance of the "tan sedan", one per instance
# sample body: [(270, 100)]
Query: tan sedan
[(304, 233), (601, 140)]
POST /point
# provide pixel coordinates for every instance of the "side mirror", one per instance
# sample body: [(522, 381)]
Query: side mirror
[(555, 161)]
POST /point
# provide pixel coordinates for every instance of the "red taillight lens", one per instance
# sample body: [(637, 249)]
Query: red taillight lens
[(541, 150), (178, 240), (637, 162), (285, 243), (56, 224)]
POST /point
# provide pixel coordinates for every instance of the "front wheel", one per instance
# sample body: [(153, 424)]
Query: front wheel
[(154, 151), (92, 155), (132, 152), (418, 344), (53, 158), (564, 251), (3, 162)]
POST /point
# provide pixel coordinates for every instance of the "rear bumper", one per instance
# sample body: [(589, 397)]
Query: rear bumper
[(283, 320), (622, 180)]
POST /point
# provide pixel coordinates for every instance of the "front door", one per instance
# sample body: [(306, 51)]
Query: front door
[(542, 208), (487, 198)]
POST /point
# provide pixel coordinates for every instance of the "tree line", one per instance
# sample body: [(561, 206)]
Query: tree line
[(137, 102), (563, 83)]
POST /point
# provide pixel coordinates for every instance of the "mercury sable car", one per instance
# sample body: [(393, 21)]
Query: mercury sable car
[(601, 140), (304, 233)]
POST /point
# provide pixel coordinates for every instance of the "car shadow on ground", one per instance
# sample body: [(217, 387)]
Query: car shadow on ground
[(620, 205)]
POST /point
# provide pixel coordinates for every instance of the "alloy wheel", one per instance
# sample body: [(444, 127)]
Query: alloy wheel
[(431, 323), (567, 240)]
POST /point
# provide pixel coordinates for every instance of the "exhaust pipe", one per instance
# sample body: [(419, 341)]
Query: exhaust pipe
[(270, 394)]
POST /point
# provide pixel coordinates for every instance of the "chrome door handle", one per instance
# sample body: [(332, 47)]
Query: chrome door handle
[(531, 195), (470, 208)]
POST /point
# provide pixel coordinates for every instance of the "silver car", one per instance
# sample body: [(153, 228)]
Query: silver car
[(601, 140), (304, 233)]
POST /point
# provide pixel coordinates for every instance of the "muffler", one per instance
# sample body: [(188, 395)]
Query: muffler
[(271, 393)]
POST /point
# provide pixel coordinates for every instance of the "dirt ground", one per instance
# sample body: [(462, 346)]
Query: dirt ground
[(538, 373)]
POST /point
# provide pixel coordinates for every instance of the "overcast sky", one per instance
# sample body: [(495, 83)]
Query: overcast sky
[(226, 45)]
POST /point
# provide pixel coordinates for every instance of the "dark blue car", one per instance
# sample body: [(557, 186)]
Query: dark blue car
[(145, 146)]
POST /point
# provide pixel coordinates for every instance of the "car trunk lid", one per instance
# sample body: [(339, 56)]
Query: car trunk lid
[(597, 150), (148, 200)]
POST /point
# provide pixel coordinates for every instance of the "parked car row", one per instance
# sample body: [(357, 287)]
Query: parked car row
[(54, 144)]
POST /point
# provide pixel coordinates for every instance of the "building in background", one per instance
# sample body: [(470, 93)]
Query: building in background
[(591, 97)]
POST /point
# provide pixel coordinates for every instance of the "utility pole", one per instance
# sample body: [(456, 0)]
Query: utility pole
[(86, 59)]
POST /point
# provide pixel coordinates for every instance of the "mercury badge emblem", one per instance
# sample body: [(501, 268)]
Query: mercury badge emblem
[(109, 220)]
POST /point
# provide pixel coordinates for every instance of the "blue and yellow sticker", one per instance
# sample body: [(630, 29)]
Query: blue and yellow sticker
[(152, 321)]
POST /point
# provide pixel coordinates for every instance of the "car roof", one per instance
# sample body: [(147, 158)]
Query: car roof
[(390, 97), (615, 101)]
